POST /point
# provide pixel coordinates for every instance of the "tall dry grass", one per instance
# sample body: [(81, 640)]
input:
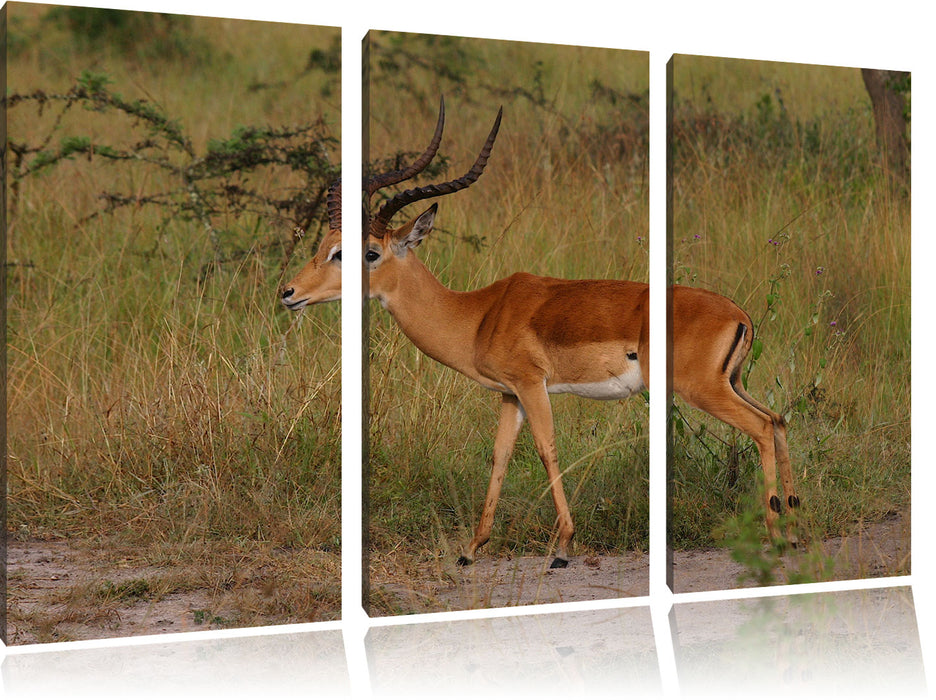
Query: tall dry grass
[(780, 204), (564, 194), (150, 403)]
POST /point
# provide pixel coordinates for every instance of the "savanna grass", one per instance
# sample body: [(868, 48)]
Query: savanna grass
[(780, 204), (157, 394), (564, 194)]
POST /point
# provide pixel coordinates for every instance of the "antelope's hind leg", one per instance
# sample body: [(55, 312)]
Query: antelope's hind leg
[(731, 405), (782, 461)]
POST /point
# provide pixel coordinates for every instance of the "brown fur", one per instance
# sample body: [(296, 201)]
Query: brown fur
[(524, 334)]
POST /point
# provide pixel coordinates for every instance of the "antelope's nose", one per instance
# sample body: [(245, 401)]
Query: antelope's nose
[(288, 292)]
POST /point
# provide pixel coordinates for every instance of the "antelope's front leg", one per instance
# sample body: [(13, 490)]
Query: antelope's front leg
[(535, 402), (511, 418)]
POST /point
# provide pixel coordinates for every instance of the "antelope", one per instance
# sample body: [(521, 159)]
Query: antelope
[(527, 337)]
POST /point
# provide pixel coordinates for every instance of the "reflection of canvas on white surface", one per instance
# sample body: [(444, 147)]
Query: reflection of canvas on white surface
[(860, 642), (594, 652), (286, 665)]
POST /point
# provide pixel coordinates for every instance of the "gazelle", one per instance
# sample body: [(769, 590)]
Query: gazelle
[(528, 337)]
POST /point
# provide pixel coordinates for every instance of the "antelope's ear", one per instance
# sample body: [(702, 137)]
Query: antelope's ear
[(411, 235)]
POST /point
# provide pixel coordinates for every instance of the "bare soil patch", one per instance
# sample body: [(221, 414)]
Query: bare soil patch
[(872, 550), (63, 591), (497, 582)]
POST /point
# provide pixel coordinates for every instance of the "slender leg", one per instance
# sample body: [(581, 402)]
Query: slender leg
[(782, 456), (728, 404), (511, 419), (535, 401), (786, 476)]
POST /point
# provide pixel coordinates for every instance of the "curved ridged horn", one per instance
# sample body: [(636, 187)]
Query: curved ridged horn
[(378, 182), (402, 199), (333, 205)]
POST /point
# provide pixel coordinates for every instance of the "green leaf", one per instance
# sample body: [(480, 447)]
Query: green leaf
[(93, 82), (74, 144)]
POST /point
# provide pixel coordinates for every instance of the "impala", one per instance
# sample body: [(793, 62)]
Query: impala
[(527, 337)]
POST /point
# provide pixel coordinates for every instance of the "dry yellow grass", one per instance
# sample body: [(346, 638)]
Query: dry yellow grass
[(153, 402)]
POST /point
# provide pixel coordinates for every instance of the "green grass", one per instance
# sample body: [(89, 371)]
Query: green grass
[(151, 399)]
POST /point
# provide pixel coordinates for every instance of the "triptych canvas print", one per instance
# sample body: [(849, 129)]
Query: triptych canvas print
[(174, 246)]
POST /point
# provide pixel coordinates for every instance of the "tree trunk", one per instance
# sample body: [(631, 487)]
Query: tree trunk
[(889, 119)]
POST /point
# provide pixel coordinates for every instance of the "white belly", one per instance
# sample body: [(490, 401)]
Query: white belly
[(619, 387)]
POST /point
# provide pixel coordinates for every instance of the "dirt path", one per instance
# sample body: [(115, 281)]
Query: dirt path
[(875, 550), (50, 597), (60, 592)]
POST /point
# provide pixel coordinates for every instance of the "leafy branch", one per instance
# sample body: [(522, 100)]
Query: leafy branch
[(209, 184)]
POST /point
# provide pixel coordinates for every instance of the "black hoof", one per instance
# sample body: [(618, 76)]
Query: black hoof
[(463, 561), (775, 504), (559, 563)]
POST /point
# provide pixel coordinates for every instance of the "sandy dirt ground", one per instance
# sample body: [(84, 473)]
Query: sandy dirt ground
[(874, 550), (45, 603), (64, 591), (44, 576)]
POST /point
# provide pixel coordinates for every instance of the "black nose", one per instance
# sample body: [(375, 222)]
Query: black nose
[(288, 292)]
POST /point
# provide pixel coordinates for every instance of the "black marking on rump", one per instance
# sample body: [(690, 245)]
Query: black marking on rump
[(793, 501), (632, 356), (775, 504), (739, 335)]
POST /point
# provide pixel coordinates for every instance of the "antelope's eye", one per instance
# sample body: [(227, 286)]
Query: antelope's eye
[(336, 256), (371, 256)]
